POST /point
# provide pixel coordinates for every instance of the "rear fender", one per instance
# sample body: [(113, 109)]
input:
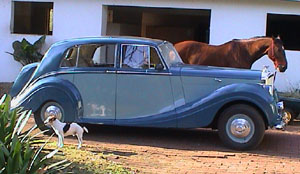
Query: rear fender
[(22, 78), (52, 89)]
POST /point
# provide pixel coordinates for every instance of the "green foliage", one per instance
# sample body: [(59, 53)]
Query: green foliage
[(26, 53), (89, 160), (18, 150)]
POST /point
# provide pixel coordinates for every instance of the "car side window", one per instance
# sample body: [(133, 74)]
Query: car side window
[(96, 55), (70, 58), (139, 57), (154, 59)]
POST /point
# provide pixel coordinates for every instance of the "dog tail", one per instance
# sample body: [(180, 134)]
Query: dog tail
[(85, 129)]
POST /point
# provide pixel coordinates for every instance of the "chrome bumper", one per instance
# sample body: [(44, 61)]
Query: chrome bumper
[(285, 116)]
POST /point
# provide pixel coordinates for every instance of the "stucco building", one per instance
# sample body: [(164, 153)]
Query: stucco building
[(210, 21)]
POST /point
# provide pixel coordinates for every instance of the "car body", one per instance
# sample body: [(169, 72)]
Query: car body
[(291, 106), (132, 81)]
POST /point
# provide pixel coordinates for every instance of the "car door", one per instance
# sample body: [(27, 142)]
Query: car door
[(144, 92), (95, 78)]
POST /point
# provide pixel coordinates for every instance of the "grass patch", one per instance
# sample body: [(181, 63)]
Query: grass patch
[(86, 161)]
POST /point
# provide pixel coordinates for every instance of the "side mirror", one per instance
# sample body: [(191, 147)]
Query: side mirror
[(159, 67)]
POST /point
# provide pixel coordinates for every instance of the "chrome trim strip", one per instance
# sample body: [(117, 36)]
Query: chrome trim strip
[(218, 80), (71, 72), (109, 71), (104, 71), (144, 73), (76, 72)]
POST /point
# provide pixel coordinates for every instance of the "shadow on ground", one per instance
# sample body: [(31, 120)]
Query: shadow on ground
[(275, 143)]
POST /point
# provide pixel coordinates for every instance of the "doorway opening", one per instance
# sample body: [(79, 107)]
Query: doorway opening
[(171, 24)]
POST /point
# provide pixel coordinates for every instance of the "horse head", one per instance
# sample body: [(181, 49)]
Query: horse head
[(277, 54)]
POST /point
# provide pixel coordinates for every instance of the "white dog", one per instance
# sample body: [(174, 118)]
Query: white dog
[(65, 129)]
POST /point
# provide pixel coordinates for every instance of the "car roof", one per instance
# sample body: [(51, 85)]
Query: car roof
[(53, 56), (110, 39)]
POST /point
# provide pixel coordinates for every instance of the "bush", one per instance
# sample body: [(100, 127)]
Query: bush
[(26, 53), (19, 151)]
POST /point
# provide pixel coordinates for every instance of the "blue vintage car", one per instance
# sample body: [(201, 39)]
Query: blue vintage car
[(130, 81)]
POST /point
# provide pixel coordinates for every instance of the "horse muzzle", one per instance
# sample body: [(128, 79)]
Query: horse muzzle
[(282, 68)]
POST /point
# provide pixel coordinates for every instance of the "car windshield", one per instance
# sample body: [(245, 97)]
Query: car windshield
[(170, 54)]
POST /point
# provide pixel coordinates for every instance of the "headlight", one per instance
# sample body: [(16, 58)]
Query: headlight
[(268, 79)]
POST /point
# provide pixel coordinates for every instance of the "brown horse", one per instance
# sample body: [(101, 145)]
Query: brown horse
[(238, 53)]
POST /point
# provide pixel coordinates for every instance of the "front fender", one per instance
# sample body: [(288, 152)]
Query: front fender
[(202, 112), (51, 89)]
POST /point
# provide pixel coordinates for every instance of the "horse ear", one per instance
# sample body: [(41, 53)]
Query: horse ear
[(273, 38), (278, 37)]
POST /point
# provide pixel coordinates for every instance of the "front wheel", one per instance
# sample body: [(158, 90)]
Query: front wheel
[(50, 108), (241, 127)]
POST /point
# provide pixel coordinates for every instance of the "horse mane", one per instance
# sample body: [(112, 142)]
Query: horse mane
[(250, 39)]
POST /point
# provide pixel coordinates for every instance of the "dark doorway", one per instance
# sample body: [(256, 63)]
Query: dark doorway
[(169, 24), (285, 26)]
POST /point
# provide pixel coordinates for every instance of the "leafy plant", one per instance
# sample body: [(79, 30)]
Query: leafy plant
[(19, 152), (26, 53)]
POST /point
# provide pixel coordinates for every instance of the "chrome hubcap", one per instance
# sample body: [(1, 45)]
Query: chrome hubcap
[(240, 128), (53, 111)]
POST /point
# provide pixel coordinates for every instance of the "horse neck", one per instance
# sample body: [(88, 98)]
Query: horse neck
[(258, 48)]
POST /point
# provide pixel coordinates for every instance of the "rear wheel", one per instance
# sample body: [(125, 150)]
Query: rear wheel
[(241, 127), (50, 108)]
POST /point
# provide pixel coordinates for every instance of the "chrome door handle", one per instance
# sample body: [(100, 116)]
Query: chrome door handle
[(218, 80)]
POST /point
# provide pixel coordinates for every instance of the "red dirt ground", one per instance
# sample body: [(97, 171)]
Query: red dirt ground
[(193, 151)]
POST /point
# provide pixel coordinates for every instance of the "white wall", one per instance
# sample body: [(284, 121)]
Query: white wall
[(230, 19), (8, 67), (71, 19), (239, 19), (247, 19)]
